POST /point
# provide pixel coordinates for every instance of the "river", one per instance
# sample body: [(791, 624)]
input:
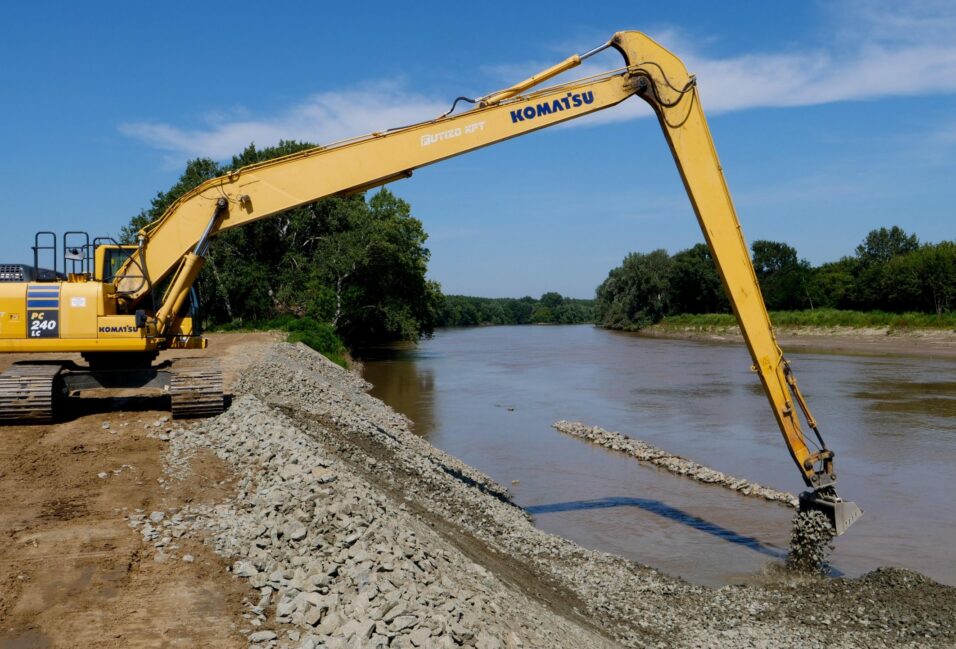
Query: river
[(489, 396)]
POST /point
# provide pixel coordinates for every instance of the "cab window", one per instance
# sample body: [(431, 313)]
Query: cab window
[(113, 260)]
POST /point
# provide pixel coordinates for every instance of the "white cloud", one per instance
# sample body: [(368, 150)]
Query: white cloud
[(322, 118), (871, 50)]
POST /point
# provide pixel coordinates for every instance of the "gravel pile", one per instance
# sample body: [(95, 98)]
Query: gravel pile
[(354, 532), (335, 562), (674, 463)]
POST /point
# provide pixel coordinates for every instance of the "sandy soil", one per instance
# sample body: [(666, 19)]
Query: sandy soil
[(923, 343), (72, 572)]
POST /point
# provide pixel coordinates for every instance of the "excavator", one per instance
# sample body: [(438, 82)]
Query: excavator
[(120, 305)]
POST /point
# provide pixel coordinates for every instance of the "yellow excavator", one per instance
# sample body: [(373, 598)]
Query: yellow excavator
[(120, 305)]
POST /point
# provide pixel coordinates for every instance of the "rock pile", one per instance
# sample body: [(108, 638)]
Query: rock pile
[(351, 531), (335, 562), (673, 463)]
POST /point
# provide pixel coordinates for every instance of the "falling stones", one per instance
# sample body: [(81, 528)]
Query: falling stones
[(810, 542)]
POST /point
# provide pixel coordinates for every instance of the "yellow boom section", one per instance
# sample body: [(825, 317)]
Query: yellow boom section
[(261, 190), (179, 238)]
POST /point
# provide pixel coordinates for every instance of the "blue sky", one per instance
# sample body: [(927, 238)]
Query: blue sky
[(830, 120)]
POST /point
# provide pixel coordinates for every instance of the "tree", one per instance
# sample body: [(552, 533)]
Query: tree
[(542, 315), (372, 261), (636, 293), (695, 286), (552, 300), (900, 283), (358, 264), (881, 245), (936, 268), (891, 271), (831, 285), (880, 277), (782, 276), (520, 311)]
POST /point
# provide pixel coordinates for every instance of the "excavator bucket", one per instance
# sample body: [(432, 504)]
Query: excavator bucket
[(841, 514)]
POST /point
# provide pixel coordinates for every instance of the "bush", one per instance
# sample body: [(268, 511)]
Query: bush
[(321, 337)]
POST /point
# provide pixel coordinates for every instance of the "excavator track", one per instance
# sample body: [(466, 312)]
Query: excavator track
[(28, 392), (196, 392)]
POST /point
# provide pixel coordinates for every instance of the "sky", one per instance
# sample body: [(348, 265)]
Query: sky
[(830, 119)]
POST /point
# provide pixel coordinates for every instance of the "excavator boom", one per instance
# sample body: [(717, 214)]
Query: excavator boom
[(172, 249)]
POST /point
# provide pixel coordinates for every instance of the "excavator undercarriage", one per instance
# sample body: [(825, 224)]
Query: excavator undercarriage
[(34, 391)]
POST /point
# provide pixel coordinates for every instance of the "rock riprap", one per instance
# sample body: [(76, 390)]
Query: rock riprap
[(675, 464), (351, 531), (335, 562)]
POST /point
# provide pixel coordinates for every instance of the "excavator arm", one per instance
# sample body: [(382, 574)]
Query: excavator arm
[(176, 243), (664, 83)]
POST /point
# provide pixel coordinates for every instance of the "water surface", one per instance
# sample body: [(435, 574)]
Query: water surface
[(489, 396)]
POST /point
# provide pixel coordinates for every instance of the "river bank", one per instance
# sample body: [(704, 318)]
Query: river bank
[(872, 341), (351, 531)]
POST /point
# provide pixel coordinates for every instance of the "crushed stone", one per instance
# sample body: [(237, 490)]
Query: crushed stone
[(406, 546), (675, 464)]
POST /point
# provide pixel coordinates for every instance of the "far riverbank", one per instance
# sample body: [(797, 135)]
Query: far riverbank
[(881, 341)]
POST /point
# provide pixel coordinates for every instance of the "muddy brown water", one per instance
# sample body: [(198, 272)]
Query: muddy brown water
[(489, 396)]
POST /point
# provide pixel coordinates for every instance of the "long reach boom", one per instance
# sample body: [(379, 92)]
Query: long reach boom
[(174, 246)]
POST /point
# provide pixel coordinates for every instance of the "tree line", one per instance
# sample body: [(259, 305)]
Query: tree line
[(349, 271), (551, 308), (890, 271)]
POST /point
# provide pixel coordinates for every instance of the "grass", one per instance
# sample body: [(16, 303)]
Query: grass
[(320, 336), (822, 318)]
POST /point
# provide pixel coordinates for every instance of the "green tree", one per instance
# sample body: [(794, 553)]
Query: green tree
[(636, 293), (782, 276), (831, 285), (355, 263), (374, 263), (552, 300), (695, 286), (883, 244), (875, 284), (900, 283), (934, 268), (542, 315)]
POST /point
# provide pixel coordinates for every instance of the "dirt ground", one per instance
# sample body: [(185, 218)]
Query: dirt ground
[(72, 571)]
